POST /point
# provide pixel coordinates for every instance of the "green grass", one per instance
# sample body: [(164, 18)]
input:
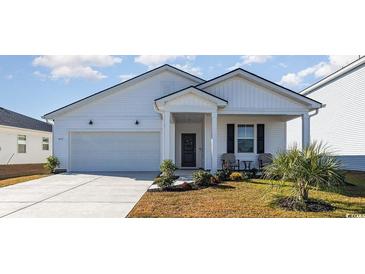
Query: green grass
[(249, 199)]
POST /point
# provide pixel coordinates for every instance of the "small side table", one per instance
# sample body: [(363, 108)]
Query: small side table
[(247, 164)]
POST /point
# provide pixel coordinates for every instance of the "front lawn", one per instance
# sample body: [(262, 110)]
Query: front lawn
[(248, 199), (17, 180)]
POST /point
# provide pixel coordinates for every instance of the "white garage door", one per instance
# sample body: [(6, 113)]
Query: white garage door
[(115, 151)]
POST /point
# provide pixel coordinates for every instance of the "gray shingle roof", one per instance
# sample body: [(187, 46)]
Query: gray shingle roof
[(13, 119)]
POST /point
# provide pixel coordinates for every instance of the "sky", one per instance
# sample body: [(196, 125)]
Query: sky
[(36, 85)]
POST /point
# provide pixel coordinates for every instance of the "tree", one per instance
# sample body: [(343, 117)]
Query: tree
[(314, 166)]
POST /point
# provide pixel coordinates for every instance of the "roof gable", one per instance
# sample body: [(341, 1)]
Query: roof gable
[(262, 82), (124, 84), (192, 89), (190, 99)]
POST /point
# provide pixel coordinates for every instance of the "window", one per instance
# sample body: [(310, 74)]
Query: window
[(45, 143), (22, 146), (245, 139)]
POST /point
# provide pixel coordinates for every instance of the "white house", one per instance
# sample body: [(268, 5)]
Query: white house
[(341, 122), (23, 140), (167, 113)]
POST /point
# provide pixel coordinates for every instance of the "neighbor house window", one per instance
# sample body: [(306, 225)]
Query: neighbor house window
[(245, 139), (45, 143), (22, 146)]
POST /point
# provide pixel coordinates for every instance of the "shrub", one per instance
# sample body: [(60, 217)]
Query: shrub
[(223, 174), (168, 168), (202, 177), (164, 181), (314, 166), (253, 173), (236, 176), (52, 163)]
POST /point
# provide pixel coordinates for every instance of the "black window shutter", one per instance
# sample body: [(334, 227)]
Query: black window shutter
[(260, 138), (230, 138)]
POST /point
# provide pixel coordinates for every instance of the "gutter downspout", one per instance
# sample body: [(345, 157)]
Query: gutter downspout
[(316, 112)]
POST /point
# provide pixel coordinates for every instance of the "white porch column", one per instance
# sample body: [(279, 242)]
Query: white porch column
[(305, 130), (214, 141), (207, 142), (166, 135)]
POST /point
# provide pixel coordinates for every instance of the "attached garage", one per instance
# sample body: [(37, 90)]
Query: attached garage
[(114, 151)]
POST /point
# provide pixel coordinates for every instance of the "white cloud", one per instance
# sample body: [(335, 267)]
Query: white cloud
[(75, 66), (188, 67), (152, 61), (253, 59), (250, 59), (40, 75), (283, 65), (9, 76), (319, 70), (125, 77)]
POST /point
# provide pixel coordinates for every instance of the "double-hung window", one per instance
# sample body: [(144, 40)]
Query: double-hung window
[(22, 144), (245, 139), (45, 143)]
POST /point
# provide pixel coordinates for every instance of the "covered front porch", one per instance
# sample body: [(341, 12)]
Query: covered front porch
[(196, 140), (198, 127)]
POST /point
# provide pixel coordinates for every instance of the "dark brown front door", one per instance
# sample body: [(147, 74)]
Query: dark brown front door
[(188, 150)]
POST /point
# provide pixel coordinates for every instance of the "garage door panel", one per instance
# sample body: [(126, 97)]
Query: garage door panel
[(115, 151)]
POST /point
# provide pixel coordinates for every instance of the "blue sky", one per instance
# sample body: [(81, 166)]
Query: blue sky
[(35, 85)]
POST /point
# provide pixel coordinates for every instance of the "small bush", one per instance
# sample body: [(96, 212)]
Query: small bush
[(236, 176), (223, 174), (52, 163), (168, 168), (202, 177), (253, 173), (164, 182)]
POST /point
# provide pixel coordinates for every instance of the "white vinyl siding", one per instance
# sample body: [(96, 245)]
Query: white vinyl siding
[(115, 151), (34, 153), (247, 96), (341, 123)]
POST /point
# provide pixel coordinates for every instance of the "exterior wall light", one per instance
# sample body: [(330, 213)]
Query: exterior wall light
[(91, 122), (136, 122)]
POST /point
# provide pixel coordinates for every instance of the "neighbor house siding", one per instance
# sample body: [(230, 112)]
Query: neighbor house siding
[(118, 111), (341, 123), (34, 152)]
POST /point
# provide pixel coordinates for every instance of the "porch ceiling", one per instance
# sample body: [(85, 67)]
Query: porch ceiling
[(188, 117)]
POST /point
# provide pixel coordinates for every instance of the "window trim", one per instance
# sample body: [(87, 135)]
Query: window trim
[(43, 143), (254, 138), (25, 143)]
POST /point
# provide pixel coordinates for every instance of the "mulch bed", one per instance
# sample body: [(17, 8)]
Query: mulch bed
[(312, 205)]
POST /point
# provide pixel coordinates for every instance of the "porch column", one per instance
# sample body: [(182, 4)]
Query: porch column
[(214, 142), (305, 130), (166, 135), (207, 142)]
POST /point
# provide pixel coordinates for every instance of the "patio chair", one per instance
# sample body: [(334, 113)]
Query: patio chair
[(229, 161), (264, 159)]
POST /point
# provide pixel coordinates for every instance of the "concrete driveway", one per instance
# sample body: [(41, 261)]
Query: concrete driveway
[(106, 195)]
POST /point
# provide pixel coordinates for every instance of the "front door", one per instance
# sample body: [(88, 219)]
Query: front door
[(188, 150)]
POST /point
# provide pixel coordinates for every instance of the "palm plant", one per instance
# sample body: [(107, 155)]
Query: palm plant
[(314, 166)]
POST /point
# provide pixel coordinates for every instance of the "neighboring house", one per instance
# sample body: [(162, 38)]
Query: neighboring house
[(23, 140), (167, 113), (341, 122)]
